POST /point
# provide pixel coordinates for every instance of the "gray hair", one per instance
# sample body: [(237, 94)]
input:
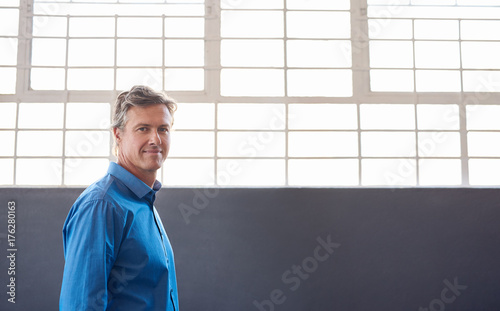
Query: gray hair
[(139, 96)]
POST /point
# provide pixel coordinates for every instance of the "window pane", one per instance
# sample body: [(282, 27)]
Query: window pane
[(438, 117), (252, 53), (481, 81), (184, 52), (188, 172), (390, 144), (315, 53), (429, 54), (438, 81), (91, 27), (390, 29), (391, 80), (91, 52), (194, 116), (317, 5), (39, 143), (192, 144), (12, 3), (440, 172), (8, 115), (41, 116), (436, 29), (48, 52), (8, 80), (433, 2), (43, 172), (87, 115), (251, 116), (184, 27), (46, 26), (439, 144), (251, 144), (47, 79), (440, 12), (184, 79), (388, 172), (479, 30), (323, 144), (318, 25), (90, 79), (252, 82), (135, 1), (8, 50), (7, 169), (341, 172), (139, 27), (140, 52), (391, 54), (381, 116), (319, 82), (84, 171), (477, 2), (243, 24), (232, 172), (9, 22), (322, 116), (126, 78), (111, 9), (251, 4), (483, 144), (481, 55), (8, 139), (388, 2), (87, 143), (483, 117), (484, 172)]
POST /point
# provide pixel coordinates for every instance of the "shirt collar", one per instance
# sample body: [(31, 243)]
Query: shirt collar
[(137, 186)]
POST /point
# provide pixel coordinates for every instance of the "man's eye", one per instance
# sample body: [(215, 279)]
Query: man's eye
[(164, 129), (142, 129)]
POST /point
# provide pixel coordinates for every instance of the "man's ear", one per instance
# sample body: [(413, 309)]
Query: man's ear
[(118, 134)]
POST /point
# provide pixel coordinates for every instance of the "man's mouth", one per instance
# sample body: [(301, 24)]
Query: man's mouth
[(152, 151)]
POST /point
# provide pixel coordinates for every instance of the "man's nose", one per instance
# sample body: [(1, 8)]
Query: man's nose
[(154, 138)]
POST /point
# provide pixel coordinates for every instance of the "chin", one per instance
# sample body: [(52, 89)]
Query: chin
[(154, 166), (150, 165)]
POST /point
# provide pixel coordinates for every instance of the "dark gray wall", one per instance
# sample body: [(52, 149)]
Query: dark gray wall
[(392, 249)]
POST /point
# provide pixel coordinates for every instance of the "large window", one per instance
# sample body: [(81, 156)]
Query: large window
[(271, 92)]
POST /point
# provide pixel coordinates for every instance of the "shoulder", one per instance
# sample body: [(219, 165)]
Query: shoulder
[(105, 195)]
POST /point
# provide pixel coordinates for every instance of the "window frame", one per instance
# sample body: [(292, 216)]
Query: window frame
[(212, 87)]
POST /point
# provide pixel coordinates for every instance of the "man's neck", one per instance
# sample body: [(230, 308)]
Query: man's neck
[(147, 177)]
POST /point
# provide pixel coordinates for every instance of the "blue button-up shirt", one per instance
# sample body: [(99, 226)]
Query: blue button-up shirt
[(118, 256)]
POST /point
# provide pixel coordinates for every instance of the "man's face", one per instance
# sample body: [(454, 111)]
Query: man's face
[(144, 142)]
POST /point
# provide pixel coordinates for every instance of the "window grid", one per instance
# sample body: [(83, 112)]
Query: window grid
[(211, 94), (462, 97)]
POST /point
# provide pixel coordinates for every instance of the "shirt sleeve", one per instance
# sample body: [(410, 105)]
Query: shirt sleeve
[(92, 235)]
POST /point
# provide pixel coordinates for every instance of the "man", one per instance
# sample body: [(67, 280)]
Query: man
[(117, 254)]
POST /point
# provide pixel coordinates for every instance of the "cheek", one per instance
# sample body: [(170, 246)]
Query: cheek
[(166, 140), (134, 143), (166, 144)]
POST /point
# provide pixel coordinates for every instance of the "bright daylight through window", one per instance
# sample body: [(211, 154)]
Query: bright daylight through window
[(272, 93)]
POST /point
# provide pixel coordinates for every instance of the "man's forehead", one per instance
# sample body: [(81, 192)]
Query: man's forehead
[(150, 114)]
